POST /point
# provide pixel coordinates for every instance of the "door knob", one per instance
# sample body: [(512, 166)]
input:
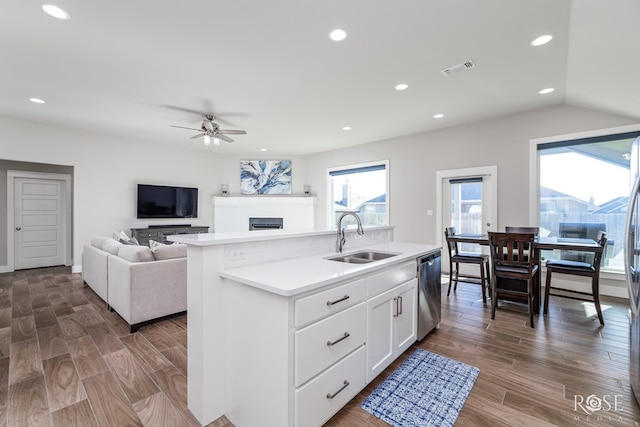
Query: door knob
[(18, 228)]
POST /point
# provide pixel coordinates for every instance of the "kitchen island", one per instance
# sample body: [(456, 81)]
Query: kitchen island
[(258, 301)]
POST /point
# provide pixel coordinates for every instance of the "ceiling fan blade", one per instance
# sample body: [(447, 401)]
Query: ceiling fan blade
[(227, 122), (182, 127), (185, 110), (232, 132), (223, 137), (208, 112), (197, 136)]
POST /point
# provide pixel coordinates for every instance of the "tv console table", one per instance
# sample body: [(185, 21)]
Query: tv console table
[(159, 234)]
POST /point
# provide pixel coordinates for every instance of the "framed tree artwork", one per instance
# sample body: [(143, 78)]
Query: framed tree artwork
[(265, 176)]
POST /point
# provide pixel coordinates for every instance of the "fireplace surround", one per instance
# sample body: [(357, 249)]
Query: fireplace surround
[(232, 214)]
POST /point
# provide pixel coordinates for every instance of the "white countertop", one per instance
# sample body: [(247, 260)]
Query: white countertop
[(209, 239), (294, 276)]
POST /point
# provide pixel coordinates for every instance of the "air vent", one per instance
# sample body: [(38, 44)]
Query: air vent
[(457, 68)]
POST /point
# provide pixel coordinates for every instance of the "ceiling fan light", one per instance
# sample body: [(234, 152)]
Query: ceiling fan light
[(207, 139), (216, 141)]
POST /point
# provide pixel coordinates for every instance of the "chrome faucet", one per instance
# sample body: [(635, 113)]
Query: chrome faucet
[(341, 240)]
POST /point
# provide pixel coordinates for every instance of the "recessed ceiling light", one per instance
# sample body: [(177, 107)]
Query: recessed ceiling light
[(438, 116), (346, 128), (263, 149), (402, 86), (546, 91), (338, 35), (55, 11), (36, 100), (539, 41)]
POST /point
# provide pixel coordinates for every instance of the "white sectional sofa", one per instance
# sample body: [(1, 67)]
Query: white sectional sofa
[(141, 284)]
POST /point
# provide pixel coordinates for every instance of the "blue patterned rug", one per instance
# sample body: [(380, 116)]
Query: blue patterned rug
[(426, 390)]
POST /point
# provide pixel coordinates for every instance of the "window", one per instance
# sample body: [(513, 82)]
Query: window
[(362, 189), (466, 208), (584, 187)]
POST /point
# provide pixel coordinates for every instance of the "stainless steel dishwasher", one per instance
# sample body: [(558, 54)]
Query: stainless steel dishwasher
[(429, 293)]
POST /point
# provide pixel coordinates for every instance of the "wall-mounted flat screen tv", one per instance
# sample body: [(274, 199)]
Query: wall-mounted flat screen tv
[(162, 201)]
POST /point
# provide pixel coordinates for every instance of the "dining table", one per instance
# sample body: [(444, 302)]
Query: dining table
[(540, 243)]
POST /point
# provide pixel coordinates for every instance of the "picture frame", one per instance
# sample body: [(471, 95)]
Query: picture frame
[(265, 177)]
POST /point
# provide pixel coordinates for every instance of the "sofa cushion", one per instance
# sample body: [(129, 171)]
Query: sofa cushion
[(97, 241), (161, 251), (111, 246), (135, 253)]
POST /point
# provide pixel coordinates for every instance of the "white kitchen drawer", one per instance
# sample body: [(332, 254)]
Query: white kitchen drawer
[(313, 406), (325, 342), (316, 306), (386, 280)]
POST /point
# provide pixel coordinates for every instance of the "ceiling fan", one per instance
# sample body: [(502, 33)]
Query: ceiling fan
[(210, 131)]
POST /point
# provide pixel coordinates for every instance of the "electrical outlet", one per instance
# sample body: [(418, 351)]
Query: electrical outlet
[(237, 254)]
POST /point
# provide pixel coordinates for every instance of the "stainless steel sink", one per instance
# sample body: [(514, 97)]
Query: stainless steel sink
[(362, 257)]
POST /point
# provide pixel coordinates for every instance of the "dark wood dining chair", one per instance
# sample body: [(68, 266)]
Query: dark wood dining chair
[(458, 257), (578, 268), (513, 269), (512, 229)]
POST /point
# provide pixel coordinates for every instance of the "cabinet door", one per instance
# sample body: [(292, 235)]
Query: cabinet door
[(380, 346), (405, 322)]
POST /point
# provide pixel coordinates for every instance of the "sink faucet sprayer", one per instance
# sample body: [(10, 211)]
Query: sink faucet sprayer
[(341, 240)]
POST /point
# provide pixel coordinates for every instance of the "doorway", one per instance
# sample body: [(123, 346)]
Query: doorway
[(39, 219), (466, 199)]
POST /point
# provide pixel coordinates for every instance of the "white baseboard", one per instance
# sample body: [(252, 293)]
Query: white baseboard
[(5, 269), (611, 288), (76, 268)]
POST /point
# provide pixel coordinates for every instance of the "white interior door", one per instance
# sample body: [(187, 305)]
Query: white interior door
[(39, 223), (467, 199)]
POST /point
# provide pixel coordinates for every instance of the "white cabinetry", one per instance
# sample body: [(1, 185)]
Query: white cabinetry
[(329, 354), (391, 329), (391, 316), (296, 361)]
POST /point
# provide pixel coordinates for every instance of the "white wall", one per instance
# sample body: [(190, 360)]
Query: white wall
[(415, 159), (106, 168), (106, 171)]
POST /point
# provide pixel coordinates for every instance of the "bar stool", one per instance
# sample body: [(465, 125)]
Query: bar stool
[(457, 257), (577, 268)]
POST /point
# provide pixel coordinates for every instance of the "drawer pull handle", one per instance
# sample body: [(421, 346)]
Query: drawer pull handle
[(400, 301), (345, 336), (396, 311), (344, 298), (345, 385)]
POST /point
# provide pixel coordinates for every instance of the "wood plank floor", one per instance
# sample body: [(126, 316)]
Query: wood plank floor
[(67, 361), (528, 377)]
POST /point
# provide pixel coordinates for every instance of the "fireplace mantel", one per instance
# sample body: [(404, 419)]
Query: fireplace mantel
[(233, 213)]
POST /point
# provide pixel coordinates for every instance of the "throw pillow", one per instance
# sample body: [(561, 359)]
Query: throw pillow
[(161, 251), (154, 244), (135, 253), (123, 238)]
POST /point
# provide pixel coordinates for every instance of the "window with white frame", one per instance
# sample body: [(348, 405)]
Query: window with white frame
[(584, 187), (361, 188)]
